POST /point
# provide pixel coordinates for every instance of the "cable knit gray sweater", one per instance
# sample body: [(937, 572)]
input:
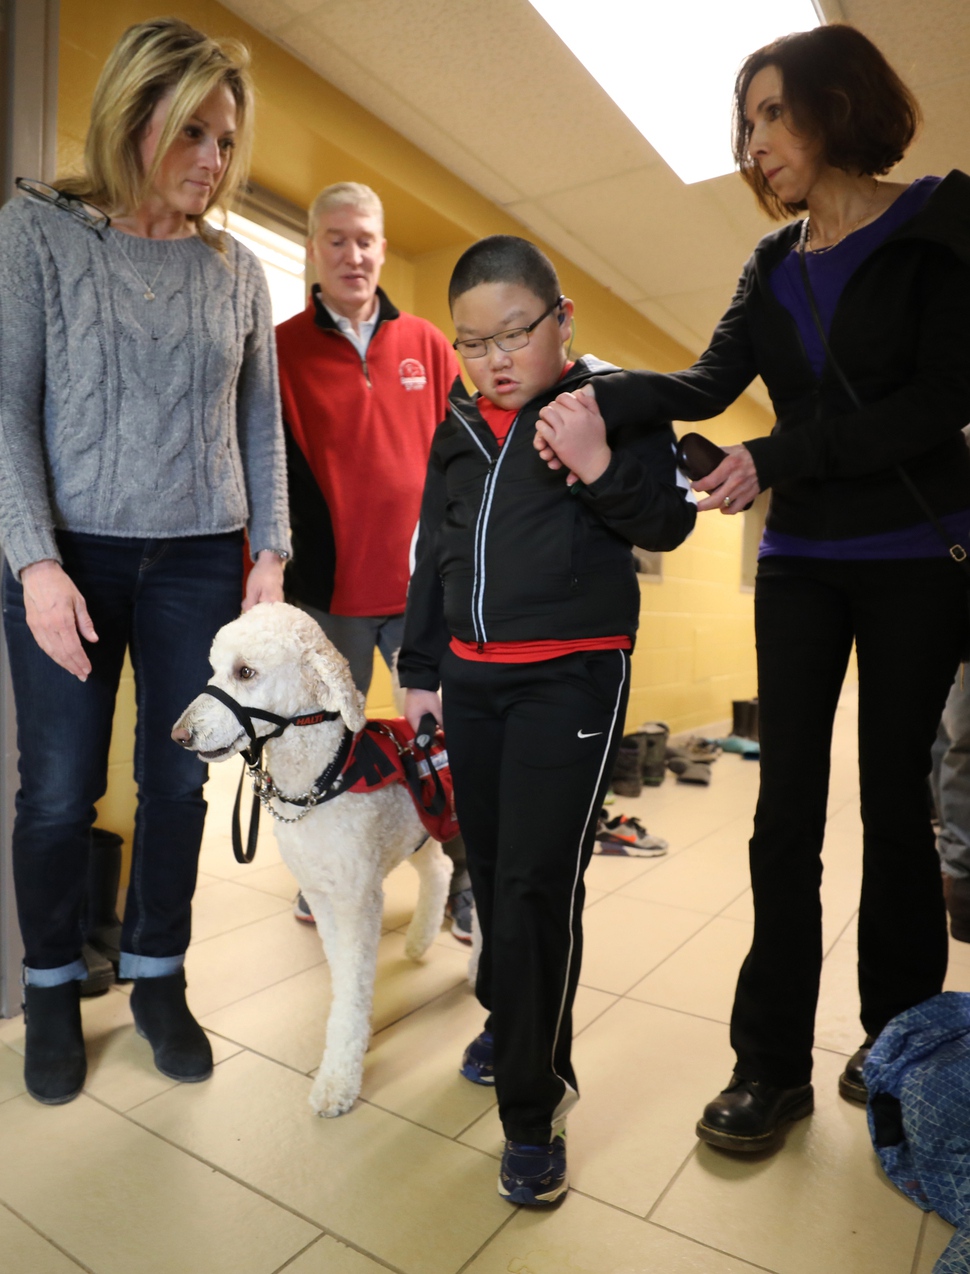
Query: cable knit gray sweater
[(129, 417)]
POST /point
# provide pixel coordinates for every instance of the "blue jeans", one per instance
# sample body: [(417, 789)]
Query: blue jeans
[(164, 600)]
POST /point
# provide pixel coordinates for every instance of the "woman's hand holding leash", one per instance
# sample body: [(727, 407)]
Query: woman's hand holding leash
[(56, 614), (571, 432), (265, 581), (732, 485)]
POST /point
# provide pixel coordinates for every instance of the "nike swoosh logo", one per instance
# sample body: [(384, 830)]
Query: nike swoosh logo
[(592, 735)]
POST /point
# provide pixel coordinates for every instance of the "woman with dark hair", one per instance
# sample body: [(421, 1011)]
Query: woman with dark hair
[(139, 434), (858, 319)]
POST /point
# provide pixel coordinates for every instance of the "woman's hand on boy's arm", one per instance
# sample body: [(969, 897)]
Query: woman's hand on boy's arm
[(571, 432)]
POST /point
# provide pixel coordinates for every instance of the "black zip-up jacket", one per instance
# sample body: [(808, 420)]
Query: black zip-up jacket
[(901, 333), (507, 552)]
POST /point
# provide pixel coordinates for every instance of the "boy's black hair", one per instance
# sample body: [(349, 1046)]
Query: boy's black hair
[(505, 258)]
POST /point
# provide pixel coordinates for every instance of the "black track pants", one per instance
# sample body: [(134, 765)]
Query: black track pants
[(532, 749), (909, 623)]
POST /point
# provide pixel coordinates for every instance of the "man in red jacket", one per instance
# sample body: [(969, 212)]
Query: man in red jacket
[(364, 386)]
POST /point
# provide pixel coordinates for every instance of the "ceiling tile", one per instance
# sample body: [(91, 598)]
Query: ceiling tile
[(665, 236), (492, 94), (535, 218), (309, 39), (507, 91), (945, 140), (925, 40)]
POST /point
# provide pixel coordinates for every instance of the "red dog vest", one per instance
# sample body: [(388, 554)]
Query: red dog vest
[(383, 753)]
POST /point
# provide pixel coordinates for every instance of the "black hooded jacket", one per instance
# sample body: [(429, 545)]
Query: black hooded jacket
[(507, 552), (901, 333)]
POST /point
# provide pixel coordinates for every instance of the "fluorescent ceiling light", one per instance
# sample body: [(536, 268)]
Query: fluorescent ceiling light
[(669, 65)]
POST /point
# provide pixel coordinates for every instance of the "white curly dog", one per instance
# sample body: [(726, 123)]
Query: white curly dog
[(277, 658)]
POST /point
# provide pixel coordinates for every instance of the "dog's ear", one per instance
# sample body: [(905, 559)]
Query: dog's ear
[(334, 686)]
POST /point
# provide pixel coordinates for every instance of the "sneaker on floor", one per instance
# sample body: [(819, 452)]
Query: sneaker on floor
[(534, 1176), (626, 837), (302, 910), (478, 1061), (458, 909)]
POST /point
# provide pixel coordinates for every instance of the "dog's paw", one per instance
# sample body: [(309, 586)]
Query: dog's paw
[(416, 947), (332, 1096)]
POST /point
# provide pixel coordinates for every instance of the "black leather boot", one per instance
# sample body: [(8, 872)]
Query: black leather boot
[(54, 1061), (851, 1084), (163, 1018), (749, 1115)]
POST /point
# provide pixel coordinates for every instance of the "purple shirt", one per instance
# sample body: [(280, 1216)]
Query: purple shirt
[(829, 272)]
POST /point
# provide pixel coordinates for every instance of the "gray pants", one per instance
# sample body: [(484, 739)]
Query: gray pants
[(951, 781), (355, 636)]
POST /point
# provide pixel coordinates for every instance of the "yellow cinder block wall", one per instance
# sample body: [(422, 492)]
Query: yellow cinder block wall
[(695, 651)]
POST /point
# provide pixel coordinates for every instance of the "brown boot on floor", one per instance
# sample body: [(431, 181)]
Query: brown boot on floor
[(956, 894)]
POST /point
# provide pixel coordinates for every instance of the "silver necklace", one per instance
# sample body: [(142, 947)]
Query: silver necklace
[(855, 225), (149, 293)]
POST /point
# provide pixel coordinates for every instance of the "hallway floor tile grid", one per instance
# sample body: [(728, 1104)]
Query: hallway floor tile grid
[(143, 1176)]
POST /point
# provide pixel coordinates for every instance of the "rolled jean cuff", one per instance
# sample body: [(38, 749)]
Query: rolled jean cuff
[(142, 966), (76, 971)]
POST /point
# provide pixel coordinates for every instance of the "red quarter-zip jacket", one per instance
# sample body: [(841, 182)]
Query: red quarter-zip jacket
[(358, 435)]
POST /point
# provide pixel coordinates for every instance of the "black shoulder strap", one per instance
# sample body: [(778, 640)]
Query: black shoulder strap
[(956, 551)]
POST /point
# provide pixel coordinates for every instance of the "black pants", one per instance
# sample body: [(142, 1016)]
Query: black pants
[(532, 749), (909, 621)]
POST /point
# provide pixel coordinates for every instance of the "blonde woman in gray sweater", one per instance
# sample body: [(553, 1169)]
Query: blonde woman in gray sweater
[(139, 436)]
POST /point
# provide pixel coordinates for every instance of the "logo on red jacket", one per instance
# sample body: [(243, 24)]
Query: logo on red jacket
[(412, 373)]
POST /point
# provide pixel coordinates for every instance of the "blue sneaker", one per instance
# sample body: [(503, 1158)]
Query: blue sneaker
[(478, 1060), (534, 1176)]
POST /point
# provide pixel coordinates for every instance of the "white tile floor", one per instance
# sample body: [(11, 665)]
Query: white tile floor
[(143, 1176)]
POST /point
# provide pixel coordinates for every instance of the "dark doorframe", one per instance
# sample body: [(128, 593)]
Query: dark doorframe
[(28, 148)]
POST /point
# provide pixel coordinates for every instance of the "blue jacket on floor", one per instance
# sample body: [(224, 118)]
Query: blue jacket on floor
[(918, 1077)]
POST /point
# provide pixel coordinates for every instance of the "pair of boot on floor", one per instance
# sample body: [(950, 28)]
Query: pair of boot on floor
[(55, 1064)]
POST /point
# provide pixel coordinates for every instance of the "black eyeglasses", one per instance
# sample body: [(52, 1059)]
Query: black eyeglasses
[(86, 213), (507, 342)]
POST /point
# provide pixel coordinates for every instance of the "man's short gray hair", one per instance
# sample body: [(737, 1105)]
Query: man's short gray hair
[(345, 194)]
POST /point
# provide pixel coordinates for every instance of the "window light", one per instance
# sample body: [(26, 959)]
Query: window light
[(669, 65), (283, 261)]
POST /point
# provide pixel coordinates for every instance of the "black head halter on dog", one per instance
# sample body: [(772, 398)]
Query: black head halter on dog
[(264, 789)]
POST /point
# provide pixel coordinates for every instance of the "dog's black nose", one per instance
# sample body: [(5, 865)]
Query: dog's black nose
[(182, 736)]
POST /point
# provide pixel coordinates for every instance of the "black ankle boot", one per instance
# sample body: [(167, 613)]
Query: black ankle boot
[(54, 1061), (749, 1115), (163, 1018), (852, 1086)]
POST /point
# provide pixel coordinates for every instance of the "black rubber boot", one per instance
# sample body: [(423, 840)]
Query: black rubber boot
[(101, 973), (654, 746), (54, 1061), (102, 928), (163, 1018), (956, 894), (627, 777)]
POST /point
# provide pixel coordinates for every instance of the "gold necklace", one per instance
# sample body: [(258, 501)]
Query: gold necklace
[(149, 293), (855, 225)]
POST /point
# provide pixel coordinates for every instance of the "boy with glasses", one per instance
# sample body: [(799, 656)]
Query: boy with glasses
[(524, 604)]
